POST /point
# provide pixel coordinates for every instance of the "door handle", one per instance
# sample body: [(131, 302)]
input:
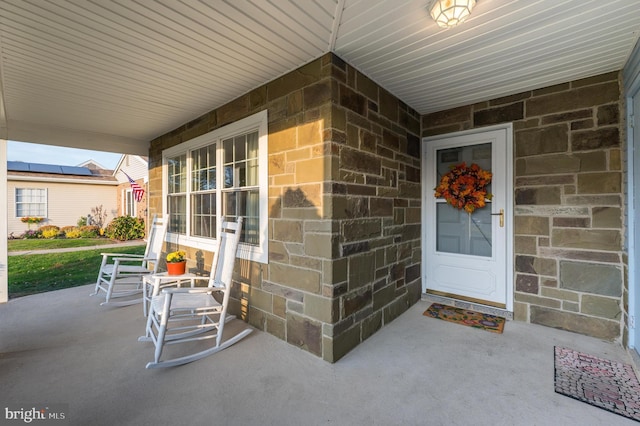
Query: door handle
[(501, 214)]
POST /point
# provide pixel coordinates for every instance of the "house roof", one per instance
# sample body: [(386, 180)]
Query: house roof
[(19, 170), (92, 164), (114, 75)]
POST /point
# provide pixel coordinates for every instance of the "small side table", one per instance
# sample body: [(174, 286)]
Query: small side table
[(152, 284)]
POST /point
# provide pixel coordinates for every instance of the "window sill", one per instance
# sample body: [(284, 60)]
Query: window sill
[(245, 251)]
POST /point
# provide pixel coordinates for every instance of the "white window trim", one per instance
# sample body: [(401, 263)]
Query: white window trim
[(259, 122), (125, 202), (46, 202)]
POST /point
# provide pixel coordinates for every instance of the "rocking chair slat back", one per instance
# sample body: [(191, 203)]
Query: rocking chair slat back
[(222, 271), (157, 233)]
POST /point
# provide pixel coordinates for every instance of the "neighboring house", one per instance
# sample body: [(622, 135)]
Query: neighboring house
[(136, 168), (63, 194), (59, 194)]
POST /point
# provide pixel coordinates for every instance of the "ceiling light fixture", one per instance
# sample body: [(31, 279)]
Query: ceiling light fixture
[(449, 13)]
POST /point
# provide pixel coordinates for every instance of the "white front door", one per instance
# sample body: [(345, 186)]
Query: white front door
[(469, 256)]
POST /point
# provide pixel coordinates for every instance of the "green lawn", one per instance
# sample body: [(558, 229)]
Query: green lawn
[(38, 273), (55, 243)]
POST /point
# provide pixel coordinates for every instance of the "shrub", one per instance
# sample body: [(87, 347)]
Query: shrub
[(48, 227), (82, 221), (31, 235), (50, 233), (125, 228), (98, 216), (73, 233), (89, 231), (65, 229)]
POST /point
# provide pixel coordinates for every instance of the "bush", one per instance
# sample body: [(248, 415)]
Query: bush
[(82, 221), (98, 216), (125, 228), (50, 233), (31, 235), (65, 229), (89, 231), (73, 232), (49, 228)]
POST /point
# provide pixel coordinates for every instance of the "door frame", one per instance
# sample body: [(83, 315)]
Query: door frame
[(631, 78), (509, 206)]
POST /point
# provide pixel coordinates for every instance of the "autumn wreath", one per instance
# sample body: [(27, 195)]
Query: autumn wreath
[(465, 187)]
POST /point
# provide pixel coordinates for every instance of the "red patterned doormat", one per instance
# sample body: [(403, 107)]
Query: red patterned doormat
[(610, 385), (473, 319)]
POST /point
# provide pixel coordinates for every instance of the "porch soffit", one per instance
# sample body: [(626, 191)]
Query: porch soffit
[(114, 75)]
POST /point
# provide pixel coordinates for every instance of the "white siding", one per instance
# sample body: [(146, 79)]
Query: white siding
[(134, 166), (66, 203)]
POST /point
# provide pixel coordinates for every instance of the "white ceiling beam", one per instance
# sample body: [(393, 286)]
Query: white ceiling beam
[(337, 20), (3, 113), (75, 138)]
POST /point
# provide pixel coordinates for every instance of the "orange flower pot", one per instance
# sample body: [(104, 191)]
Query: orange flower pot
[(176, 268)]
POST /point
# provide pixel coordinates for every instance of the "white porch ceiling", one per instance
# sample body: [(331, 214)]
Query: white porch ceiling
[(114, 74)]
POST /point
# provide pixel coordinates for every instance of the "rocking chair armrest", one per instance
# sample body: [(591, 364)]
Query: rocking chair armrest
[(217, 285), (124, 255), (163, 277), (133, 259), (186, 290)]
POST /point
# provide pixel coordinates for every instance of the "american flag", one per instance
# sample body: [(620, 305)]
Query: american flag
[(138, 191)]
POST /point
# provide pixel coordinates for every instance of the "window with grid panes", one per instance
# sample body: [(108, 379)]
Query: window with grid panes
[(31, 202), (241, 193), (203, 191), (177, 193), (223, 175)]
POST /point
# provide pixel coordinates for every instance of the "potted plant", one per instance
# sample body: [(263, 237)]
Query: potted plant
[(31, 220), (176, 262)]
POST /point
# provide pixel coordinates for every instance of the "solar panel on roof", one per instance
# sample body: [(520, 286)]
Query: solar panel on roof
[(17, 166), (74, 170), (44, 168), (20, 166)]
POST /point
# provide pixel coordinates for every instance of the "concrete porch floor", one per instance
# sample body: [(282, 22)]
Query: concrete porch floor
[(62, 347)]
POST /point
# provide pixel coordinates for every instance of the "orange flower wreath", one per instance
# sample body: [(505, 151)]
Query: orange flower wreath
[(465, 187)]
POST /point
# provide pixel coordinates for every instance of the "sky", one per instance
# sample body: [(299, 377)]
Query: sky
[(48, 154)]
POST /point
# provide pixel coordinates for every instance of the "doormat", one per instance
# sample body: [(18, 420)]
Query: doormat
[(473, 319), (610, 385)]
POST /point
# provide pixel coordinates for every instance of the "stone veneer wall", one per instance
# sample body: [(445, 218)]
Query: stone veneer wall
[(569, 258), (375, 209), (344, 207)]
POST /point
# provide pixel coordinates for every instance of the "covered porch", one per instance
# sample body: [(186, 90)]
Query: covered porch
[(62, 347)]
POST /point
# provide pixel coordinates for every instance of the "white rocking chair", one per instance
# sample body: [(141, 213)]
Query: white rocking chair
[(181, 315), (121, 274)]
